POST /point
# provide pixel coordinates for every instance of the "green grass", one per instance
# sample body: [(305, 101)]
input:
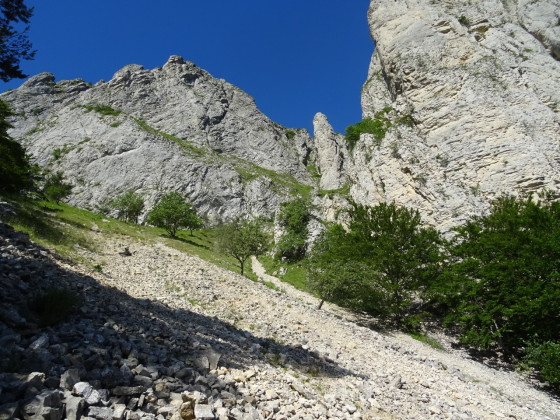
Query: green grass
[(296, 274), (272, 286), (102, 109), (66, 229), (249, 171), (432, 342), (344, 191), (184, 143)]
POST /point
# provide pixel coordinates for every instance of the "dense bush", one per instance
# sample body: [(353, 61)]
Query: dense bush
[(173, 213), (503, 287), (379, 264), (545, 357), (293, 217)]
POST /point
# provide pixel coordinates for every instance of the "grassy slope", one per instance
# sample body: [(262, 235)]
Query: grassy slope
[(65, 229), (296, 274)]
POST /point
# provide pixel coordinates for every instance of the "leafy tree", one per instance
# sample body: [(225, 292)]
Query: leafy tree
[(293, 217), (504, 287), (390, 256), (15, 169), (129, 206), (14, 44), (55, 188), (336, 276), (173, 213), (240, 239)]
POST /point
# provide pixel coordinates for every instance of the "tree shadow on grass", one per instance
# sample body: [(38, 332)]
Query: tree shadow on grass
[(189, 241)]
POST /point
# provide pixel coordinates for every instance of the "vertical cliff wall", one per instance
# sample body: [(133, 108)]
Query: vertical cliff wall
[(472, 91)]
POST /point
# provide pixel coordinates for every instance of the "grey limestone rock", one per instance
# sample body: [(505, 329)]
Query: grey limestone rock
[(474, 97), (173, 128), (331, 154)]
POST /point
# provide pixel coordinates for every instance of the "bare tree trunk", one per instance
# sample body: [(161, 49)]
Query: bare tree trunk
[(321, 304)]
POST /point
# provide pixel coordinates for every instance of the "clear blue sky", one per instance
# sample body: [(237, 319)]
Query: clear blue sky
[(295, 57)]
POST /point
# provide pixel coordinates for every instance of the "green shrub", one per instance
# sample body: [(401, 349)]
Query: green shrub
[(173, 213), (290, 134), (240, 239), (503, 287), (53, 305), (463, 20), (405, 120), (545, 357), (128, 205), (381, 263), (55, 188), (102, 109), (293, 217), (377, 127)]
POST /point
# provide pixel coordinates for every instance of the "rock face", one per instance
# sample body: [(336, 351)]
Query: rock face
[(174, 128), (331, 154), (474, 92)]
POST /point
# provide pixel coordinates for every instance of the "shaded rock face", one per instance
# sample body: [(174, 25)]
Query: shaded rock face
[(478, 84), (174, 128)]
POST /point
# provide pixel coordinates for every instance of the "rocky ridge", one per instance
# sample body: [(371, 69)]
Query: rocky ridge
[(174, 128), (163, 335)]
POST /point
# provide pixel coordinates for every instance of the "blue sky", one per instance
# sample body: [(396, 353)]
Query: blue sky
[(295, 57)]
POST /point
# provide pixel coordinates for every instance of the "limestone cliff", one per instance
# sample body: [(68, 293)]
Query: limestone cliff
[(174, 128), (472, 92)]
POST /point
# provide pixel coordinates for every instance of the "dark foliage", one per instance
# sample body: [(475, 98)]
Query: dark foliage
[(14, 44), (504, 286), (15, 169), (381, 264), (293, 217)]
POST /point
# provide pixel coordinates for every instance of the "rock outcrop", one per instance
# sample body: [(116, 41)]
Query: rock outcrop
[(331, 154), (474, 95), (174, 128)]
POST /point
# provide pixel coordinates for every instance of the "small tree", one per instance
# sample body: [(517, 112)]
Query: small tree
[(240, 239), (173, 213), (335, 276), (293, 217), (55, 188), (128, 205)]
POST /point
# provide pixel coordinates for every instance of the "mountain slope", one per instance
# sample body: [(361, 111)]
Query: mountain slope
[(171, 128)]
